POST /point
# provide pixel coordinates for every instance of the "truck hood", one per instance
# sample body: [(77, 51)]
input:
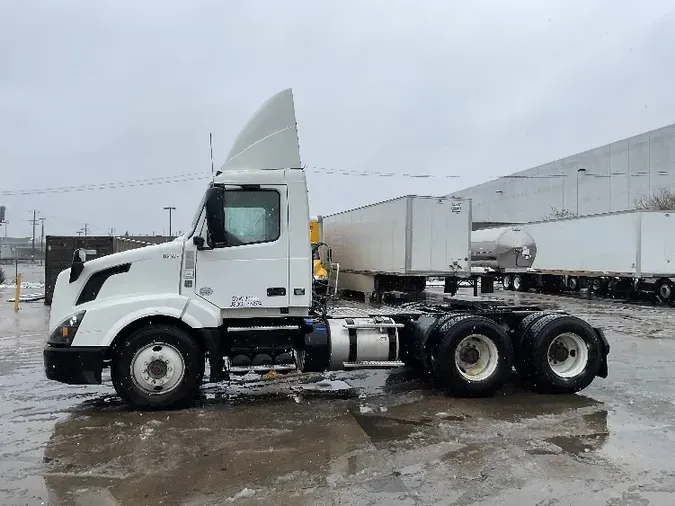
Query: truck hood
[(133, 255), (270, 138), (66, 293)]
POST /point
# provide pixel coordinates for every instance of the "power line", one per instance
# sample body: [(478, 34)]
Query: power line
[(181, 178), (104, 186), (347, 172)]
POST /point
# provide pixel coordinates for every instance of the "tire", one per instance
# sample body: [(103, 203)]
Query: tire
[(573, 284), (522, 345), (179, 362), (613, 288), (664, 290), (507, 282), (462, 337), (519, 283), (579, 354), (598, 286)]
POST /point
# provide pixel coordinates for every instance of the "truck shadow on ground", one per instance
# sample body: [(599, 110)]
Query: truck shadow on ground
[(297, 448)]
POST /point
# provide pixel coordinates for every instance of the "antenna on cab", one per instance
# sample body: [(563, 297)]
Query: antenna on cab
[(213, 177)]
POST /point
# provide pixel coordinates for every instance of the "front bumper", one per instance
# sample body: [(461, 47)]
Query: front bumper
[(75, 366)]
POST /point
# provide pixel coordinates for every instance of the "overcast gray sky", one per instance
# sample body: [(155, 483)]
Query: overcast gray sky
[(106, 91)]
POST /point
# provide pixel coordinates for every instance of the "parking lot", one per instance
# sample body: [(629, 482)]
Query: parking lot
[(361, 438)]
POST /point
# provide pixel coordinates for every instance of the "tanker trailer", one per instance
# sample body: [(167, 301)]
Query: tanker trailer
[(502, 248)]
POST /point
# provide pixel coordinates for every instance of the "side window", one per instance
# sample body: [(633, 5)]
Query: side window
[(252, 216)]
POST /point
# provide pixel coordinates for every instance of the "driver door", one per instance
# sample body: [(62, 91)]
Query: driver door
[(252, 270)]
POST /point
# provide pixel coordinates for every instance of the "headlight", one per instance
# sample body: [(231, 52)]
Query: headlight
[(64, 333)]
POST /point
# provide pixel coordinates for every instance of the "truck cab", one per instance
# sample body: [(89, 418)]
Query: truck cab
[(246, 257)]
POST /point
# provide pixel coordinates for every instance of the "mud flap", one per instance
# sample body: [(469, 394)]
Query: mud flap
[(603, 372), (212, 340)]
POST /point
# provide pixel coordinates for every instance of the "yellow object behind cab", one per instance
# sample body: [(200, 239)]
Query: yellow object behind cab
[(314, 231), (319, 271)]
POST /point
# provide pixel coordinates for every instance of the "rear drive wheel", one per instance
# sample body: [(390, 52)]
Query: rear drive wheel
[(566, 354), (522, 344), (474, 357), (158, 367)]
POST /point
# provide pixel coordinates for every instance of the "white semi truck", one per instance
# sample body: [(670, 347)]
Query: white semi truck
[(236, 292)]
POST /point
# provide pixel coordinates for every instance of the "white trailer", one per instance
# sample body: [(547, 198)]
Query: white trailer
[(618, 253), (396, 244)]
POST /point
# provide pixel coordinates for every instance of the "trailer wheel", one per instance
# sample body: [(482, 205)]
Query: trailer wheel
[(519, 283), (598, 286), (664, 290), (566, 354), (507, 282), (573, 284), (158, 367), (522, 344), (473, 358)]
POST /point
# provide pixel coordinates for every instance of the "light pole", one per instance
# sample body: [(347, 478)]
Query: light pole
[(170, 209), (42, 238)]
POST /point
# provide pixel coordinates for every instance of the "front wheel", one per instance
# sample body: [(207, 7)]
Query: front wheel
[(474, 357), (158, 367)]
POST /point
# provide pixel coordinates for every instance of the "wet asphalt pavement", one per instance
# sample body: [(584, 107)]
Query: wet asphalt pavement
[(364, 438)]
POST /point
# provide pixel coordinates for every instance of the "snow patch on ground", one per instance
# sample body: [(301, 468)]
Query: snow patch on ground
[(246, 492), (27, 285)]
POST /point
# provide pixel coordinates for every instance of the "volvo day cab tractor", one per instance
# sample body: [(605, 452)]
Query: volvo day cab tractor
[(236, 292)]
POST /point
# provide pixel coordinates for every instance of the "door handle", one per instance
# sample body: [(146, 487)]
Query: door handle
[(276, 292)]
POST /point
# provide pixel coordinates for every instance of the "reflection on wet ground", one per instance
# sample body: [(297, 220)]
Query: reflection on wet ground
[(347, 438)]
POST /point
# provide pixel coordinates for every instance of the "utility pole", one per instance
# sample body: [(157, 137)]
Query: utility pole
[(83, 230), (169, 208), (34, 222), (42, 238)]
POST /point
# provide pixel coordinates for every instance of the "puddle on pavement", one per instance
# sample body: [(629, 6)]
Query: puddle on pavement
[(215, 450), (289, 437)]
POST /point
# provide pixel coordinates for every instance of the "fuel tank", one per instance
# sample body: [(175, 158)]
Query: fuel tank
[(502, 248)]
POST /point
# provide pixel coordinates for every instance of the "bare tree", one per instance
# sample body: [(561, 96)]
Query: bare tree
[(559, 213), (662, 199)]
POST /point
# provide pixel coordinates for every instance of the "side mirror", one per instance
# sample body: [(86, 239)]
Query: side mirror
[(215, 217), (77, 266), (198, 241)]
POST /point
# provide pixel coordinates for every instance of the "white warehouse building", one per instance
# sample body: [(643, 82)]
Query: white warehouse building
[(605, 179)]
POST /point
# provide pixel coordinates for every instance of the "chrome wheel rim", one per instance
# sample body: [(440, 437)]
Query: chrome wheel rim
[(157, 368)]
